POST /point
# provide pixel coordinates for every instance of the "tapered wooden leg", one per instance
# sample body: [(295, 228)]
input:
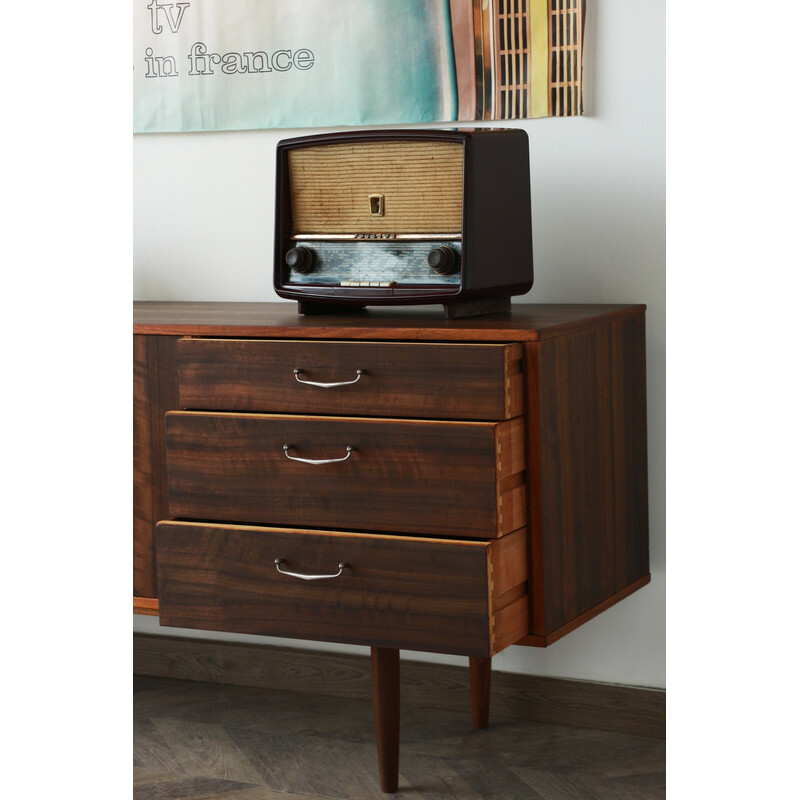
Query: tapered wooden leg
[(480, 683), (386, 699)]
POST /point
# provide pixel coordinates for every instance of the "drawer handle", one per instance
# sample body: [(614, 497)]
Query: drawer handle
[(298, 372), (279, 561), (286, 448)]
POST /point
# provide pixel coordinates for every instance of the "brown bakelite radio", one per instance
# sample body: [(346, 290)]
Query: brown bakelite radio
[(404, 218)]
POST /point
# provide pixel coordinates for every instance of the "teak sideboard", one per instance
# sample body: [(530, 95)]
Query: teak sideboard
[(389, 478)]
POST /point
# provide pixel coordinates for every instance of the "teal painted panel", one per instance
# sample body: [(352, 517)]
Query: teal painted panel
[(244, 64)]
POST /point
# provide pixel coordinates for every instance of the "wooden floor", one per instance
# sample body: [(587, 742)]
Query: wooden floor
[(220, 742)]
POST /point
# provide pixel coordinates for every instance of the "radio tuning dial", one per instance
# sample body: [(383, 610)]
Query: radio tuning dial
[(442, 259), (300, 259)]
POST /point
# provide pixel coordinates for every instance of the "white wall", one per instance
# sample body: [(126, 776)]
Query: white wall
[(203, 227)]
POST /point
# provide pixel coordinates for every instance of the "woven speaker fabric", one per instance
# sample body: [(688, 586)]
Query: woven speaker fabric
[(421, 184)]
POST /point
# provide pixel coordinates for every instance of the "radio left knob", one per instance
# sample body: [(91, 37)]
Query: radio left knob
[(300, 259)]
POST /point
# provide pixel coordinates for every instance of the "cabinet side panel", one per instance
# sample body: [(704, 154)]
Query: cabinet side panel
[(154, 393), (534, 484), (143, 583), (593, 450)]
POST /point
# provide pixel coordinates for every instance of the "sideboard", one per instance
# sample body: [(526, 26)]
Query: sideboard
[(389, 478)]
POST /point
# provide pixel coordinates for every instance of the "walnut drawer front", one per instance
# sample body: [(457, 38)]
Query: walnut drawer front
[(462, 479), (461, 597), (396, 379)]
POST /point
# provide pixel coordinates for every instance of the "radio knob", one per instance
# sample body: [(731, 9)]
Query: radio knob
[(442, 259), (300, 259)]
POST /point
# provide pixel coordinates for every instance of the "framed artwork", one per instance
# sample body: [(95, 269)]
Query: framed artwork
[(244, 64)]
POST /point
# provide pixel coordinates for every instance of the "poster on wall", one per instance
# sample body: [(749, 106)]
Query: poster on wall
[(204, 65)]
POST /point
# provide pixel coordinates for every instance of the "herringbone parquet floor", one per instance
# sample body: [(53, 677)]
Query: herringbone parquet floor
[(218, 742)]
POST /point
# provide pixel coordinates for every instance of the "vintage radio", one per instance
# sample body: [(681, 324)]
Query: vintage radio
[(403, 218)]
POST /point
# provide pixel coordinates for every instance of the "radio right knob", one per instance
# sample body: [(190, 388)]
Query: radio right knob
[(300, 259), (442, 259)]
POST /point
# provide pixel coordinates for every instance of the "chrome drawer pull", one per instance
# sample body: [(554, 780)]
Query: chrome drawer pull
[(298, 372), (320, 460), (279, 561)]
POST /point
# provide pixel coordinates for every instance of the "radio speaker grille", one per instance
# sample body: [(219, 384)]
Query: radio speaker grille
[(421, 182)]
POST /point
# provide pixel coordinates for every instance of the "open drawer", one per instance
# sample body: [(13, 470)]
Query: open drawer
[(459, 479), (439, 595)]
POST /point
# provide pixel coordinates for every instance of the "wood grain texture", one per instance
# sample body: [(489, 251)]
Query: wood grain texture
[(509, 617), (281, 321), (386, 703), (511, 493), (419, 594), (537, 640), (533, 484), (480, 685), (582, 492), (514, 381), (154, 393), (422, 183), (402, 475), (592, 541), (429, 381), (601, 706), (145, 605)]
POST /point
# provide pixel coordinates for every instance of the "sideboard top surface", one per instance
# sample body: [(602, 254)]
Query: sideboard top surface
[(281, 320)]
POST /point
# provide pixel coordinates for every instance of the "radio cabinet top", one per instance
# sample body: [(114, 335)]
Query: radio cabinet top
[(404, 218)]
